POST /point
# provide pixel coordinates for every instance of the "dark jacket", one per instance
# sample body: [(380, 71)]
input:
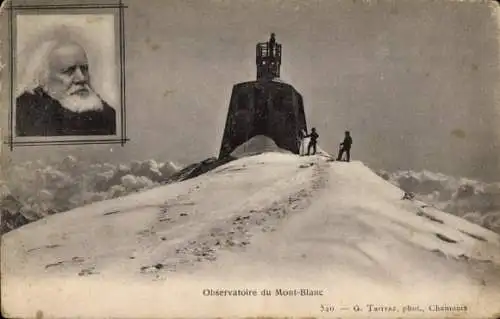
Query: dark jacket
[(314, 137), (347, 142), (38, 114)]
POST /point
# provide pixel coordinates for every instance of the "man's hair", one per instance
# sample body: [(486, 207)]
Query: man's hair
[(36, 72)]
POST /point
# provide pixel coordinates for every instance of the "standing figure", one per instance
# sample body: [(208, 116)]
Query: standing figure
[(300, 141), (345, 147), (313, 141), (272, 45)]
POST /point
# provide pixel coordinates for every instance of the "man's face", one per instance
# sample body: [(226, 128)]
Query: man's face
[(69, 80), (68, 71)]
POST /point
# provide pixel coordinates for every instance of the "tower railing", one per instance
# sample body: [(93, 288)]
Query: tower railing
[(268, 60)]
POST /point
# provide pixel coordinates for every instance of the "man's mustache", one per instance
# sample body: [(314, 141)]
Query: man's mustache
[(79, 88)]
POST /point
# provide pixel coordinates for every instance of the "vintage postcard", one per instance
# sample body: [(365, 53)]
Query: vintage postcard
[(265, 158)]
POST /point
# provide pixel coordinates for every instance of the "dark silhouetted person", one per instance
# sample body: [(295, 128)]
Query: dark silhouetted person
[(312, 142), (272, 44), (345, 147)]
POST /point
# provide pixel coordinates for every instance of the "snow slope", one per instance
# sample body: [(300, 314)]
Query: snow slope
[(32, 190), (267, 221), (476, 201)]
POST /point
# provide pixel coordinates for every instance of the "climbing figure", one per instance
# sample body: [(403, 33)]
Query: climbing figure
[(345, 147), (312, 142)]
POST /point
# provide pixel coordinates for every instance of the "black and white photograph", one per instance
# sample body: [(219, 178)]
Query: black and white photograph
[(283, 158), (67, 81)]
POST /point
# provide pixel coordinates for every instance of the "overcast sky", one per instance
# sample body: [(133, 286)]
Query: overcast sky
[(414, 81)]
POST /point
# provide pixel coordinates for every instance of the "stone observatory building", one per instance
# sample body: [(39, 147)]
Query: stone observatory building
[(265, 107)]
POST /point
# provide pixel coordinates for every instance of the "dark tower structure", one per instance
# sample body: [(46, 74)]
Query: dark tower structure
[(267, 106), (268, 59)]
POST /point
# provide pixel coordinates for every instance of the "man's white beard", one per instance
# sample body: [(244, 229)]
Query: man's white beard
[(80, 104)]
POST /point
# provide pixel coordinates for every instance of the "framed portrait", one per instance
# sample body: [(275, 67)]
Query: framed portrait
[(67, 84), (298, 158)]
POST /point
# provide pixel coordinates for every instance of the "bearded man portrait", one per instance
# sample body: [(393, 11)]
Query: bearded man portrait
[(58, 99)]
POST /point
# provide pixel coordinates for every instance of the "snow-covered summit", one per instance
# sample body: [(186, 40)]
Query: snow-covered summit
[(273, 220)]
